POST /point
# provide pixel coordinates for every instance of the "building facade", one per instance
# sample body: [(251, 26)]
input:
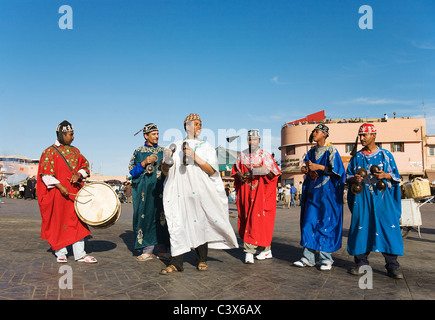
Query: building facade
[(405, 138), (18, 164)]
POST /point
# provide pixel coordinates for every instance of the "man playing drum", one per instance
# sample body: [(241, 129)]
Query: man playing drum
[(61, 169), (149, 222), (194, 199)]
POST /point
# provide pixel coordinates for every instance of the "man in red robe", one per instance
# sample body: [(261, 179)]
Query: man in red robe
[(61, 169), (256, 175)]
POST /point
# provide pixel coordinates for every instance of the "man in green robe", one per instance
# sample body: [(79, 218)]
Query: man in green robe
[(149, 223)]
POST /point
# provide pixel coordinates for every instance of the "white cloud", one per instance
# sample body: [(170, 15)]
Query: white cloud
[(377, 101), (427, 45), (275, 80)]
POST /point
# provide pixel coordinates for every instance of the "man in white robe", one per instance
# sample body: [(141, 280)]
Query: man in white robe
[(194, 199)]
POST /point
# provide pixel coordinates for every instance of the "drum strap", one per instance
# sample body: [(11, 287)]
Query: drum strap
[(63, 158)]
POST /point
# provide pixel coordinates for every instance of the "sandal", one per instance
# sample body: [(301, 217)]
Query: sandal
[(202, 266), (61, 259), (87, 259), (169, 269), (144, 257)]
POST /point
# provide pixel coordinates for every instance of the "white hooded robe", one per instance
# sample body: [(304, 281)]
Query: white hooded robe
[(195, 204)]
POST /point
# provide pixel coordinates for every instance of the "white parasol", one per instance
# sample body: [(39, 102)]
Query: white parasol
[(16, 178)]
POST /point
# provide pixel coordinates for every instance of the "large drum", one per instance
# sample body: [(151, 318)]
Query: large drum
[(97, 205)]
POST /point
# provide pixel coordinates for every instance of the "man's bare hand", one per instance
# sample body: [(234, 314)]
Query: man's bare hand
[(63, 190), (76, 178), (148, 160), (382, 175)]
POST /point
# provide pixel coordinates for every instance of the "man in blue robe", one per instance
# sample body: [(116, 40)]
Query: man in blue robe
[(322, 202), (375, 224)]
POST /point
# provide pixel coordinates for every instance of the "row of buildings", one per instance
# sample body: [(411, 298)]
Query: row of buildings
[(14, 164), (406, 138)]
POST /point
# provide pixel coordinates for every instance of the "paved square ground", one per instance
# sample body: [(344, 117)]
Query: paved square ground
[(28, 269)]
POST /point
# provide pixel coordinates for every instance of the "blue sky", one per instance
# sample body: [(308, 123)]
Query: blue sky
[(239, 64)]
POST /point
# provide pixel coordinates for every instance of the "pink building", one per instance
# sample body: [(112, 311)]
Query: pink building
[(406, 138)]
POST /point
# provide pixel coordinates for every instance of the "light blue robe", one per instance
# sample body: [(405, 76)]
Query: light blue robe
[(322, 202), (375, 224)]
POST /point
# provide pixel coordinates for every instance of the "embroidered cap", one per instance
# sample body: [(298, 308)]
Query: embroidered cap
[(192, 117), (367, 128), (254, 133), (322, 128), (62, 129), (150, 127), (64, 126)]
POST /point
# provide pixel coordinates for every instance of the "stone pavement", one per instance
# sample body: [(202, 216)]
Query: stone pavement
[(28, 269)]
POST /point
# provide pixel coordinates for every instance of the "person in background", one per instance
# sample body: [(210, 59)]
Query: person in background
[(293, 192), (299, 188), (127, 188), (287, 196)]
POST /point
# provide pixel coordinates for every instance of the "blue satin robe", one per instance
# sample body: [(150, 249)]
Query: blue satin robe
[(322, 201), (375, 224)]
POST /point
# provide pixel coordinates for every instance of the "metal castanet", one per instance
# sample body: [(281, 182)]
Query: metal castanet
[(186, 159), (150, 167), (169, 160), (362, 172), (374, 169), (380, 185), (305, 170), (357, 187)]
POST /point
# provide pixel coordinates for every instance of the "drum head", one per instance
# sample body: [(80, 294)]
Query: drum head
[(96, 203)]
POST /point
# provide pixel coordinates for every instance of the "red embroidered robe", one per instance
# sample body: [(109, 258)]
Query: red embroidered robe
[(256, 199), (60, 225)]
